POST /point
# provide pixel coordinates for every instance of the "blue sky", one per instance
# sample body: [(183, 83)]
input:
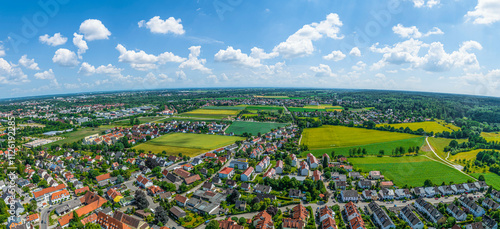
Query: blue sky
[(65, 46)]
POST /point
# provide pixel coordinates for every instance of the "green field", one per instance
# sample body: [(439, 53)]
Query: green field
[(126, 122), (426, 126), (410, 170), (264, 108), (224, 107), (211, 113), (490, 178), (469, 155), (372, 149), (341, 136), (271, 96), (491, 136), (438, 145), (79, 135), (187, 144), (240, 127), (312, 108)]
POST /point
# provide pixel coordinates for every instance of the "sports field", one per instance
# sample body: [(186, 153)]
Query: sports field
[(491, 136), (426, 126), (410, 170), (187, 144), (240, 127), (490, 179), (341, 136)]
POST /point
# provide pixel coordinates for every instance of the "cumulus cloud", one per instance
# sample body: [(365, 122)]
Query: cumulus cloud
[(323, 70), (46, 75), (110, 70), (360, 66), (480, 83), (335, 56), (424, 3), (260, 54), (157, 25), (193, 62), (11, 74), (28, 63), (93, 29), (140, 60), (436, 59), (413, 32), (2, 51), (55, 40), (80, 44), (237, 57), (300, 43), (181, 75), (486, 12), (355, 52), (65, 58)]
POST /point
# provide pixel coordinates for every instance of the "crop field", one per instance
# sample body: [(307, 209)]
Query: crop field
[(224, 108), (490, 179), (211, 113), (341, 136), (490, 136), (426, 126), (410, 170), (469, 155), (372, 149), (438, 145), (249, 115), (264, 108), (126, 122), (311, 108), (271, 96), (240, 127), (187, 144), (79, 135)]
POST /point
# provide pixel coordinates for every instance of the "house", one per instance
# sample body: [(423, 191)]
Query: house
[(289, 223), (154, 190), (60, 196), (489, 223), (380, 216), (312, 160), (340, 185), (431, 191), (325, 212), (474, 225), (369, 195), (113, 193), (33, 218), (240, 205), (263, 164), (374, 175), (387, 194), (187, 167), (247, 174), (196, 161), (329, 223), (402, 194), (229, 224), (295, 161), (270, 173), (419, 192), (143, 182), (456, 212), (296, 194), (109, 222), (490, 204), (495, 195), (429, 210), (300, 212), (304, 168), (469, 203), (104, 179), (446, 190), (207, 186), (458, 188), (317, 175), (364, 184), (245, 186), (409, 217), (349, 195), (239, 164), (386, 184), (355, 175), (259, 188), (279, 167), (226, 172), (354, 216), (263, 221), (180, 200)]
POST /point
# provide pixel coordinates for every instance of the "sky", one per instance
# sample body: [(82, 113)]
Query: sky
[(66, 46)]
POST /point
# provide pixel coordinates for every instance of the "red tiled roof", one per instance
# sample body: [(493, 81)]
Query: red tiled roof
[(103, 177), (49, 190), (226, 170)]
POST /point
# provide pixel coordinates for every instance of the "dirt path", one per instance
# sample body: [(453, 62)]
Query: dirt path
[(447, 163)]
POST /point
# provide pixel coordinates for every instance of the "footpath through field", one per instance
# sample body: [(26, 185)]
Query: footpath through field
[(441, 160)]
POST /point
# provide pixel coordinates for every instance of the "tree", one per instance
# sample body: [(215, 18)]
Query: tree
[(235, 195), (213, 224), (381, 152), (141, 200), (325, 162), (481, 178), (119, 179), (428, 183), (92, 226), (272, 210), (161, 215), (333, 155)]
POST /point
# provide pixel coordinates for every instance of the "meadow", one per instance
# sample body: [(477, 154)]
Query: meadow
[(150, 119), (469, 155), (187, 144), (490, 179), (438, 145), (79, 134), (212, 113), (240, 127), (224, 108), (264, 108), (410, 170), (341, 136), (490, 136), (426, 126), (312, 108)]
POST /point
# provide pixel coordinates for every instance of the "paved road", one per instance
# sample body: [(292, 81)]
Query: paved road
[(44, 214)]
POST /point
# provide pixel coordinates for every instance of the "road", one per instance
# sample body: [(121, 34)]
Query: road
[(44, 214)]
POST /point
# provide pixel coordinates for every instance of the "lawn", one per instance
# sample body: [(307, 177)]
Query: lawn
[(187, 144), (490, 178), (438, 145), (427, 126), (372, 149), (254, 128), (410, 170), (341, 136), (79, 135), (491, 136)]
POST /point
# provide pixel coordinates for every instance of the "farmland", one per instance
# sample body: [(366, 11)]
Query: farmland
[(126, 122), (311, 108), (469, 155), (212, 113), (490, 178), (438, 145), (187, 144), (426, 126), (491, 137), (240, 127), (341, 136), (79, 134), (410, 170)]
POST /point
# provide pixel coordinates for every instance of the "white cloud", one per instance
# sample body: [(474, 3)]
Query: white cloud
[(193, 62), (436, 59), (259, 53), (11, 74), (213, 78), (46, 75), (28, 63), (110, 70), (170, 25), (80, 44), (423, 3), (323, 70), (360, 66), (181, 75), (93, 29), (335, 56), (237, 57), (355, 52), (413, 80), (413, 32), (65, 58), (140, 60), (300, 43), (480, 83), (55, 40), (486, 12), (2, 51)]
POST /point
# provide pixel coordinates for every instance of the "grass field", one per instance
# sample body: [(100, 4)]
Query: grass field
[(187, 144), (427, 126), (79, 135), (410, 170), (491, 136), (126, 122), (490, 178), (271, 96), (372, 149), (438, 145), (341, 136), (254, 128), (264, 108), (224, 107), (469, 155), (211, 113), (311, 108)]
